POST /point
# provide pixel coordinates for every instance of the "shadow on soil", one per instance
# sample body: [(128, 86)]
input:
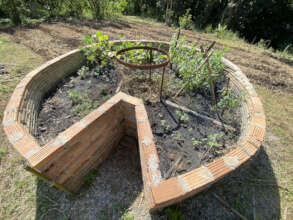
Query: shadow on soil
[(110, 191), (252, 191)]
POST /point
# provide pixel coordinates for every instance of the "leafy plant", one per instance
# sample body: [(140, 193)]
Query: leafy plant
[(83, 72), (183, 117), (97, 49), (221, 30), (165, 125), (188, 59), (127, 216), (229, 100), (178, 137), (195, 142), (3, 152), (174, 214), (185, 21), (75, 96), (212, 139)]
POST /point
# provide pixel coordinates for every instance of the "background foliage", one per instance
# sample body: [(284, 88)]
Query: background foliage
[(268, 20)]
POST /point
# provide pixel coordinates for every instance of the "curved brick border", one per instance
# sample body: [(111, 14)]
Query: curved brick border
[(65, 160)]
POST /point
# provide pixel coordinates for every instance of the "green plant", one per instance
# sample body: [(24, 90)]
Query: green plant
[(212, 140), (188, 59), (165, 125), (127, 216), (228, 101), (195, 142), (106, 97), (75, 96), (174, 214), (83, 72), (3, 152), (185, 21), (183, 117), (177, 136), (90, 177), (221, 31), (97, 49)]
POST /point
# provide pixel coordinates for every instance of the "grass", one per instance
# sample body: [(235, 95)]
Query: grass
[(18, 187)]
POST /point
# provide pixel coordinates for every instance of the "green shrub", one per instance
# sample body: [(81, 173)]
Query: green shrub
[(187, 61), (221, 31), (185, 21), (97, 49)]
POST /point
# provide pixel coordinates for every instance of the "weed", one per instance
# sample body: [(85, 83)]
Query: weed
[(178, 137), (127, 216), (195, 142), (212, 140), (3, 152), (90, 177), (174, 214), (75, 96), (165, 125), (81, 102), (106, 97), (221, 31), (183, 117), (83, 72), (190, 129)]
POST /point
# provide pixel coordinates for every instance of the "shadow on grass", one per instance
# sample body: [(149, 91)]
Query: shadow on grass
[(252, 190), (110, 191)]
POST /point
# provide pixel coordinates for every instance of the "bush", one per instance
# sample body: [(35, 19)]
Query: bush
[(185, 21)]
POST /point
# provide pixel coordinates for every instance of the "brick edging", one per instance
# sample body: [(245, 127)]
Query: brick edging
[(99, 132)]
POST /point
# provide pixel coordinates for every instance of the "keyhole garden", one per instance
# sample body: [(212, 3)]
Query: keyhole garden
[(194, 114)]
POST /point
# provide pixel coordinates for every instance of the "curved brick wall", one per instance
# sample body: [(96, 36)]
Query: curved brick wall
[(65, 160)]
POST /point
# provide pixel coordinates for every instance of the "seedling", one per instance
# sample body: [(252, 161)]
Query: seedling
[(195, 142), (183, 117)]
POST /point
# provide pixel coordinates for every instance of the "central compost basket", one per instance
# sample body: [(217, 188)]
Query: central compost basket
[(66, 160)]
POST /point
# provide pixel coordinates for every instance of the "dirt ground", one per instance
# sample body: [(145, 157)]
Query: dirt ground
[(254, 190)]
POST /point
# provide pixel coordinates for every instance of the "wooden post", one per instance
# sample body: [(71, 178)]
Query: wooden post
[(151, 60), (212, 87)]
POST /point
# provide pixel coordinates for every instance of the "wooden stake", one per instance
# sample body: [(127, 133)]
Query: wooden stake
[(162, 82), (212, 88), (185, 109), (200, 66)]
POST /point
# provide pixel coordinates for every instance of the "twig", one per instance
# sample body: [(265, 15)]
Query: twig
[(200, 66), (216, 122), (140, 200), (173, 168), (119, 86), (229, 207)]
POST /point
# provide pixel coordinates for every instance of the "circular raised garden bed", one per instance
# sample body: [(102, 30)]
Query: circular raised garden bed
[(87, 141)]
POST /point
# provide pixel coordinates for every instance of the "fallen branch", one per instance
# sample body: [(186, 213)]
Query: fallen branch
[(229, 207), (216, 122), (200, 66)]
